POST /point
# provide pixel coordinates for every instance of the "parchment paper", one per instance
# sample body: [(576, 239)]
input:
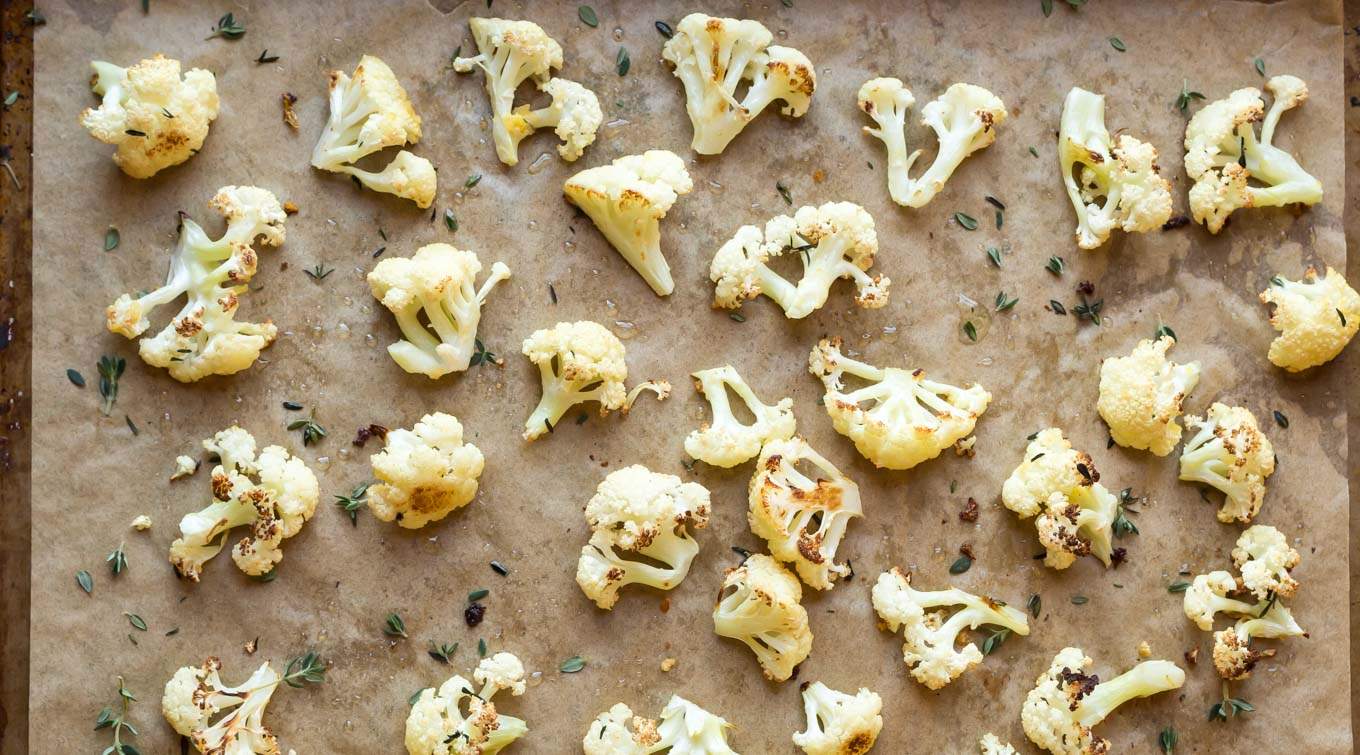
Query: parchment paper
[(91, 475)]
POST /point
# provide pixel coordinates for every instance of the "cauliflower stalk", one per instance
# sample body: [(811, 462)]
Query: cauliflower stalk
[(900, 418), (574, 114), (685, 729), (275, 505), (437, 286), (713, 57), (836, 240), (437, 724), (194, 696), (1207, 596), (1141, 395), (838, 723), (1223, 153), (964, 120), (1094, 166), (156, 118), (639, 522), (1061, 485), (204, 338), (1059, 713), (1230, 453), (424, 473), (930, 638), (803, 519), (626, 200), (370, 112), (1316, 318), (1234, 658), (760, 606), (727, 441)]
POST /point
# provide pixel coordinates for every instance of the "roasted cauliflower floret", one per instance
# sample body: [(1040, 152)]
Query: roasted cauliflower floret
[(1234, 658), (204, 338), (1207, 596), (275, 506), (931, 636), (1230, 453), (838, 723), (1141, 395), (437, 724), (156, 118), (990, 745), (1316, 318), (1264, 558), (964, 119), (574, 114), (836, 240), (713, 57), (803, 519), (194, 696), (1222, 154), (1066, 703), (618, 732), (437, 286), (639, 522), (687, 729), (425, 473), (1123, 173), (1061, 485), (900, 418), (370, 112), (727, 441), (760, 605), (626, 200), (508, 53)]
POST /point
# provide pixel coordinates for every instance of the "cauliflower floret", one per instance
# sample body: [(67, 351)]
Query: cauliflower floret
[(1234, 657), (156, 118), (836, 240), (803, 519), (439, 282), (579, 362), (204, 338), (1065, 703), (184, 467), (626, 200), (1141, 395), (275, 507), (609, 733), (574, 113), (370, 112), (1229, 452), (638, 520), (929, 649), (727, 441), (713, 57), (837, 723), (1222, 153), (760, 605), (193, 696), (1316, 318), (424, 473), (990, 745), (1264, 557), (900, 418), (508, 53), (1206, 597), (964, 119), (437, 725), (687, 729), (1061, 485), (1124, 173)]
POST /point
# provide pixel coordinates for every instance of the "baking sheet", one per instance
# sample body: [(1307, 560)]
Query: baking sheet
[(91, 476)]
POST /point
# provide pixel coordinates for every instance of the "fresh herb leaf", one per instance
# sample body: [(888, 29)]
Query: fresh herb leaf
[(1003, 302), (442, 652), (413, 698), (1080, 600), (136, 621), (356, 500), (1260, 65), (1167, 740), (11, 98), (117, 560), (499, 568), (292, 406), (304, 669), (35, 18), (110, 370), (994, 640), (994, 254), (572, 665), (85, 581), (1035, 604), (265, 57), (1033, 152), (1186, 97), (1178, 586), (993, 201), (736, 317), (1047, 7), (107, 719), (471, 182), (450, 220), (1163, 330), (1089, 310), (480, 355), (1342, 315), (319, 271), (1057, 307), (1122, 524), (1055, 265), (966, 220), (587, 16), (970, 330), (962, 564), (1280, 419), (622, 62), (228, 27), (1118, 44), (77, 379), (267, 577), (477, 595), (111, 239), (311, 431), (665, 29), (481, 648), (394, 626), (1276, 280), (784, 192)]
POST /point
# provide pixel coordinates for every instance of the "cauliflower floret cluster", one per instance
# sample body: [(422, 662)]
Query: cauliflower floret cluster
[(930, 633), (1264, 558), (713, 57), (1123, 173), (618, 732), (900, 418), (1230, 453), (1066, 702), (204, 338), (1316, 318), (1141, 395), (1061, 485), (626, 200), (990, 745), (838, 723), (836, 240), (1222, 154), (424, 473), (508, 52), (369, 113), (156, 118), (760, 605), (964, 119), (440, 283), (579, 362), (437, 724), (275, 506), (195, 695), (727, 441), (803, 519), (685, 729), (639, 522)]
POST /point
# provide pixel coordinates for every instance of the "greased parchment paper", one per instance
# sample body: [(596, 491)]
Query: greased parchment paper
[(92, 475)]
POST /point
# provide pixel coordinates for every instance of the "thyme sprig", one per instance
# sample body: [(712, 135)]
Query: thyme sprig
[(110, 370), (119, 723), (356, 500)]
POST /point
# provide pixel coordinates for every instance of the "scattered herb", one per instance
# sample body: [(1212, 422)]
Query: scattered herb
[(966, 220), (311, 431), (736, 317), (1260, 65), (622, 62), (441, 653), (11, 98), (319, 271), (228, 27), (1089, 310), (993, 201), (1280, 419), (471, 182), (572, 665), (1000, 219), (111, 239), (415, 697), (354, 501), (1178, 586), (1167, 740), (1004, 302), (548, 424), (85, 581), (994, 254), (1163, 330), (268, 576), (1271, 599), (784, 192), (304, 669), (1242, 151), (1080, 600), (953, 486), (1057, 307), (1055, 265), (450, 220), (1276, 280), (970, 330), (581, 418), (1122, 524), (1186, 97), (740, 551), (117, 560), (994, 640), (1118, 44), (552, 293), (265, 57), (1033, 152), (110, 370), (1342, 315), (1035, 604), (119, 723), (292, 406), (477, 595), (77, 379), (136, 621), (394, 626), (480, 355), (1229, 706), (499, 568), (962, 564), (1174, 222), (378, 252), (665, 29), (1047, 7), (588, 17), (481, 648), (35, 18)]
